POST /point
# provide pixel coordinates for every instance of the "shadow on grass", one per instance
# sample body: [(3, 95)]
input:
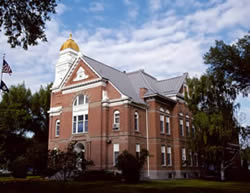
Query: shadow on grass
[(177, 186)]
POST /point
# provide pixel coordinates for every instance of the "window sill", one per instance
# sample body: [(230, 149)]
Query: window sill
[(162, 133), (82, 133), (115, 130)]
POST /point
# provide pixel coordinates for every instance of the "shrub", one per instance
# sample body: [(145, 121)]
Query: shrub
[(131, 166), (19, 167)]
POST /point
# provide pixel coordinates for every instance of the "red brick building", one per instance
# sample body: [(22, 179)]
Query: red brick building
[(108, 111)]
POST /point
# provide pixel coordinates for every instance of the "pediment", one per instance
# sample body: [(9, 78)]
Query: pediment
[(80, 73)]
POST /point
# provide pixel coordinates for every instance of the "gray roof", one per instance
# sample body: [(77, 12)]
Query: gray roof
[(129, 84)]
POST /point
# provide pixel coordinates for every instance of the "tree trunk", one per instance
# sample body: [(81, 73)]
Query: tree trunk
[(222, 172)]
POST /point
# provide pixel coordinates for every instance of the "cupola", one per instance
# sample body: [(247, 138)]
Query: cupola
[(70, 43)]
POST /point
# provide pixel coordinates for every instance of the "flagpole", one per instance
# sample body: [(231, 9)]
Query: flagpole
[(2, 73)]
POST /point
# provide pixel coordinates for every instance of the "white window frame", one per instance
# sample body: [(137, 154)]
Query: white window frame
[(163, 155), (169, 153), (57, 130), (80, 110), (77, 100), (84, 122), (116, 149), (162, 129), (187, 127), (137, 150), (168, 130), (183, 156), (136, 121), (116, 124), (181, 127)]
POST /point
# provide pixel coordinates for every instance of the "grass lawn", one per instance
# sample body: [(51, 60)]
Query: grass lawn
[(36, 185)]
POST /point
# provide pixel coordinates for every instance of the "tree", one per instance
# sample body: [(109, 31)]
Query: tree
[(37, 153), (16, 121), (65, 164), (131, 166), (211, 101), (233, 60), (24, 126), (24, 21)]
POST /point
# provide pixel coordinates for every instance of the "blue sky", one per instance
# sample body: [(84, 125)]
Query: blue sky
[(164, 37)]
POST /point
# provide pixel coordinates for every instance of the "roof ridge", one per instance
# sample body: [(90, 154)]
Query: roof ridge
[(147, 83), (171, 78), (149, 75), (104, 64)]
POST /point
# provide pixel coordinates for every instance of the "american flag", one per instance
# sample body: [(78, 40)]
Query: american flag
[(6, 67)]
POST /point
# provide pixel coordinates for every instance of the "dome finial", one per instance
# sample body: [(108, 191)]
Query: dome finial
[(70, 43)]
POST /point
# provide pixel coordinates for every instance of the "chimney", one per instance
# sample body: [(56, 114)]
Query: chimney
[(143, 92)]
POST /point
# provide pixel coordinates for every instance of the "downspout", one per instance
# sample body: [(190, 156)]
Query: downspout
[(147, 141)]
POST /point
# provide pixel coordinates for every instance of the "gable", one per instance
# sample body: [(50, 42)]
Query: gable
[(80, 74)]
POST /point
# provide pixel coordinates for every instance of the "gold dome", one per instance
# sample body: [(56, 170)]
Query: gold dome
[(70, 44)]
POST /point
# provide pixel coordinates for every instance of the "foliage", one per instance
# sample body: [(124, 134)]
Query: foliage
[(21, 115), (24, 21), (66, 164), (15, 119), (131, 166), (211, 100), (19, 167), (233, 60), (37, 153)]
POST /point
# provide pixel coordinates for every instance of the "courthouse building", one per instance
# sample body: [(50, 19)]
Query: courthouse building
[(108, 111)]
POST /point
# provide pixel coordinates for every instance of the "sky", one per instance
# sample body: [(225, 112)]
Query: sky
[(164, 37)]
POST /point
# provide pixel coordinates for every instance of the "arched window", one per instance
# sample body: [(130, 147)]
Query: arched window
[(57, 128), (80, 114), (136, 119), (81, 100), (116, 125)]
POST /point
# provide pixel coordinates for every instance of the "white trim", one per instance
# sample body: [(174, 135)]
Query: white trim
[(82, 86), (55, 111), (115, 102), (73, 66)]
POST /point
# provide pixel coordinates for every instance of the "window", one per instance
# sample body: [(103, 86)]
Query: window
[(161, 123), (196, 159), (181, 128), (137, 150), (168, 131), (116, 125), (57, 128), (81, 100), (187, 128), (169, 156), (193, 130), (190, 158), (80, 124), (163, 155), (183, 156), (136, 121), (115, 154)]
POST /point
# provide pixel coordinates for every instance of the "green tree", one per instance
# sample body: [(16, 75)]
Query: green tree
[(16, 121), (24, 123), (24, 21), (131, 166), (233, 60), (211, 101), (37, 153)]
